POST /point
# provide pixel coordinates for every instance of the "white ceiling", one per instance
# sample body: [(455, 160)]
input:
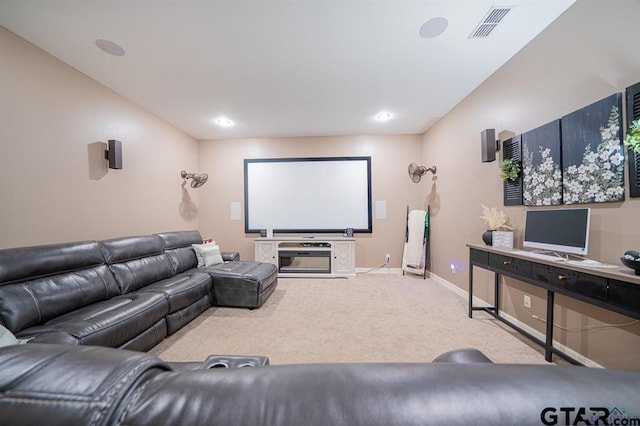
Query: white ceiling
[(283, 67)]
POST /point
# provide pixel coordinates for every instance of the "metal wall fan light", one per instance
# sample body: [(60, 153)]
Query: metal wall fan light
[(416, 172), (197, 180)]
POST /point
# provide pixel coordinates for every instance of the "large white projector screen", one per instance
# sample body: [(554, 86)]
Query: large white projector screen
[(298, 195)]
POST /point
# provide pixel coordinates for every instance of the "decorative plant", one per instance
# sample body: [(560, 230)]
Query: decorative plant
[(510, 169), (632, 138), (495, 219)]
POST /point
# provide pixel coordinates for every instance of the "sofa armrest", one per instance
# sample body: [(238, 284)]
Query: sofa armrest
[(230, 256), (68, 385)]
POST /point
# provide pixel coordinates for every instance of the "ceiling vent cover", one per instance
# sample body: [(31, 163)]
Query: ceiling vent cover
[(494, 16)]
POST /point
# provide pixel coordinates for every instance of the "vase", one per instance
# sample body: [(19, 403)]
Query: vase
[(487, 237)]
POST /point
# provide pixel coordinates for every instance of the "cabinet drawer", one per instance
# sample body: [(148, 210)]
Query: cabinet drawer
[(478, 256), (519, 267), (585, 284), (624, 294)]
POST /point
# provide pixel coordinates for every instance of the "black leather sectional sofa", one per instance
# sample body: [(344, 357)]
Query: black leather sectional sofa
[(73, 299), (84, 385), (124, 293)]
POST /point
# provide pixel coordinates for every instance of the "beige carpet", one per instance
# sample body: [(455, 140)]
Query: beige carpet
[(370, 318)]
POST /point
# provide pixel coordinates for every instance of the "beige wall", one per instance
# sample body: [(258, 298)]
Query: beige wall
[(586, 55), (390, 156), (54, 184)]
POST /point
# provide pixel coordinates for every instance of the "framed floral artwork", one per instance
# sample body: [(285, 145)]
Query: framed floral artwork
[(592, 153), (541, 171)]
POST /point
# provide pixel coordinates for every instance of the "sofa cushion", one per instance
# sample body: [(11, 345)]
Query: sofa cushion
[(40, 283), (242, 284), (108, 323), (179, 239), (181, 290), (177, 246), (24, 263), (243, 275), (136, 261), (35, 302), (182, 259)]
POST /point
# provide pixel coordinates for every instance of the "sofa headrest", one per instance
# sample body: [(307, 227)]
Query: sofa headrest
[(179, 239), (128, 248), (24, 263)]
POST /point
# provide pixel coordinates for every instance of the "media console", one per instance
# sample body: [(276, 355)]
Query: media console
[(308, 257), (617, 290)]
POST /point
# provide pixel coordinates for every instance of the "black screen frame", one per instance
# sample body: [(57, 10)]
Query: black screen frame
[(247, 206)]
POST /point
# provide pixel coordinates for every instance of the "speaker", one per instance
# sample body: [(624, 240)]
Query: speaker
[(114, 154), (488, 137)]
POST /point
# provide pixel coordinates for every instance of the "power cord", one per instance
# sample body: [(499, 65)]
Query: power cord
[(374, 269)]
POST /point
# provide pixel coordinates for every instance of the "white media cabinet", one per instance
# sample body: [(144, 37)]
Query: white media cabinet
[(327, 257)]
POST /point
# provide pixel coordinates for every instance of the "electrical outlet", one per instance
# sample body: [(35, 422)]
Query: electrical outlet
[(387, 260), (527, 301)]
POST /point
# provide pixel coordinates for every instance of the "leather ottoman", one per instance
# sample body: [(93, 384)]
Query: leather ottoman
[(242, 284)]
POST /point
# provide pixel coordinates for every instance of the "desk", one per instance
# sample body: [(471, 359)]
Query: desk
[(617, 290)]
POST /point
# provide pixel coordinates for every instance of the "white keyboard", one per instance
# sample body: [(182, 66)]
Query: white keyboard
[(585, 262), (538, 255), (590, 264)]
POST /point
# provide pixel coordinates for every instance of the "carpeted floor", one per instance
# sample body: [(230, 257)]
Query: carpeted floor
[(370, 318)]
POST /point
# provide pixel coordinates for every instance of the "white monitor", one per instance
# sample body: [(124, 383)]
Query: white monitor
[(563, 230)]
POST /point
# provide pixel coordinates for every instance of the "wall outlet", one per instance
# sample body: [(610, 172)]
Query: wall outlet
[(527, 301), (387, 260)]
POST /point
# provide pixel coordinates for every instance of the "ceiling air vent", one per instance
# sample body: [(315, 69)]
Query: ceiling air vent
[(494, 16)]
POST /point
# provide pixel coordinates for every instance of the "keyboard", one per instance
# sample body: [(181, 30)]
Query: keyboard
[(538, 255), (592, 264), (585, 262)]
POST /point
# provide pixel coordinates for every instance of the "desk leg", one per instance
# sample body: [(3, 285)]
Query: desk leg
[(470, 290), (496, 295), (548, 344)]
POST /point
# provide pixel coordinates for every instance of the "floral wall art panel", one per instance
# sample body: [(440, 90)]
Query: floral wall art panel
[(541, 171), (592, 153)]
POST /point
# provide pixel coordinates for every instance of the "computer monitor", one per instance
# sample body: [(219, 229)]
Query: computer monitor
[(564, 230)]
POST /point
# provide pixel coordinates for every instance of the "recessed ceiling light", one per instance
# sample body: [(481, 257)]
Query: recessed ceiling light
[(383, 116), (223, 122), (434, 27), (110, 47)]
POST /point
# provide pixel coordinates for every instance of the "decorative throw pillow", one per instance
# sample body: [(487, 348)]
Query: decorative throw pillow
[(7, 338), (198, 248), (212, 256)]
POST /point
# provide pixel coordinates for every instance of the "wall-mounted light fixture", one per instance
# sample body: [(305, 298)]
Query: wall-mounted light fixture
[(197, 180), (114, 154), (416, 172), (489, 145)]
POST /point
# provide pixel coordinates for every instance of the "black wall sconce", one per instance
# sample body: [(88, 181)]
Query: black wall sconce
[(490, 145), (114, 154)]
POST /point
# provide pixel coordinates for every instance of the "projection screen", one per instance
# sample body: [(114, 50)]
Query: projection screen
[(303, 195)]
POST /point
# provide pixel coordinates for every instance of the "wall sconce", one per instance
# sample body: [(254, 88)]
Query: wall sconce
[(197, 180), (416, 172), (489, 145), (114, 154)]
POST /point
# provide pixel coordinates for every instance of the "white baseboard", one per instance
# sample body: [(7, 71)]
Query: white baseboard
[(479, 302)]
